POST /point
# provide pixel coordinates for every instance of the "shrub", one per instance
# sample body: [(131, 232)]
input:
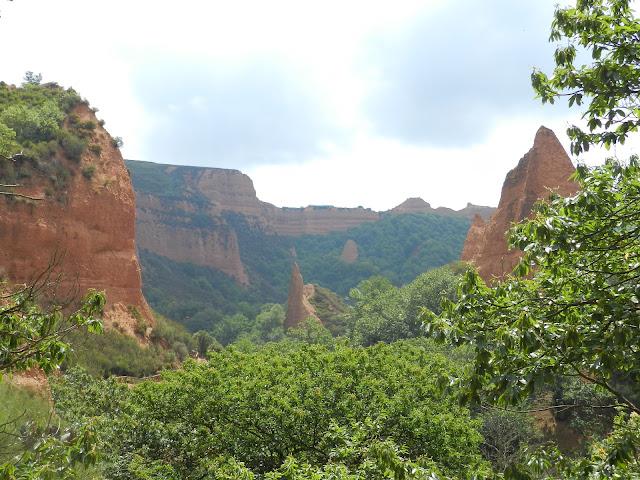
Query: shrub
[(87, 125), (95, 149), (73, 146), (117, 142), (88, 171), (265, 404)]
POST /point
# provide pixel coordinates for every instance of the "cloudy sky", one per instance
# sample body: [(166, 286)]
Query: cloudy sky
[(320, 102)]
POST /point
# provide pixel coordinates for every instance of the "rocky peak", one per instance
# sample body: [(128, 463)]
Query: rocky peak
[(413, 205), (350, 252), (545, 168), (417, 205), (298, 306)]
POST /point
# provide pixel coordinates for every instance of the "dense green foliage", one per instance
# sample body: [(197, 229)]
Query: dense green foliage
[(583, 256), (31, 337), (115, 353), (37, 126), (384, 313), (570, 306), (331, 309), (609, 30), (197, 297), (398, 247), (261, 406)]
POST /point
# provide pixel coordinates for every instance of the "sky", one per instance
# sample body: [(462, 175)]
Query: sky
[(328, 102)]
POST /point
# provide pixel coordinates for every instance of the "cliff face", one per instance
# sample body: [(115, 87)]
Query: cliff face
[(182, 215), (545, 168), (298, 305), (91, 229), (475, 239)]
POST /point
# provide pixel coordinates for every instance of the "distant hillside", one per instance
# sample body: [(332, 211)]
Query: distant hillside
[(208, 246)]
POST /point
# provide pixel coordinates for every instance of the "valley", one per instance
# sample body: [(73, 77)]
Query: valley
[(161, 321)]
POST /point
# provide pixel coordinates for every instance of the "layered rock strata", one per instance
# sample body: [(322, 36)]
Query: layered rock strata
[(183, 215)]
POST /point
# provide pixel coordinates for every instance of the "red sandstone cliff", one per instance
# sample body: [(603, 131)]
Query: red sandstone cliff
[(91, 227), (545, 168)]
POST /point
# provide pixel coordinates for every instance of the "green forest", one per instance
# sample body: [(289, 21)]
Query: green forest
[(398, 247), (419, 369)]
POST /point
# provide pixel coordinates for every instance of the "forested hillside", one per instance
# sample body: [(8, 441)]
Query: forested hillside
[(398, 247)]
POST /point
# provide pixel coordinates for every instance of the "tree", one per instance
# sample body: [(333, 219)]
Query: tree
[(31, 78), (311, 330), (571, 308), (384, 313), (33, 337), (8, 145), (292, 404), (572, 302), (203, 340), (610, 85)]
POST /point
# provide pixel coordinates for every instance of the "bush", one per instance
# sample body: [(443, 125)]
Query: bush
[(73, 146), (95, 149), (88, 171), (117, 142)]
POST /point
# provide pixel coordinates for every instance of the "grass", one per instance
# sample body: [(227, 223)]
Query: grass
[(22, 412)]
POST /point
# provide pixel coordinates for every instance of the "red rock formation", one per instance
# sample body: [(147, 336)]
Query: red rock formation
[(92, 229), (298, 305), (217, 248), (545, 168), (188, 223), (349, 252), (475, 238)]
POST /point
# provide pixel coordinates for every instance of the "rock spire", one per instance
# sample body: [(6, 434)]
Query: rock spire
[(544, 169)]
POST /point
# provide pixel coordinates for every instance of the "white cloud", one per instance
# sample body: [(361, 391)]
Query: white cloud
[(103, 49)]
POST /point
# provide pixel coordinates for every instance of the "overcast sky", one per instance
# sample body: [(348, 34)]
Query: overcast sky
[(342, 102)]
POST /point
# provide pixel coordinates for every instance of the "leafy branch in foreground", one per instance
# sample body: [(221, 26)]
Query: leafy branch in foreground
[(610, 32), (572, 307), (31, 336)]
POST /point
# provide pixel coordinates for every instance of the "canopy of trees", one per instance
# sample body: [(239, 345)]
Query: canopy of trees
[(269, 408)]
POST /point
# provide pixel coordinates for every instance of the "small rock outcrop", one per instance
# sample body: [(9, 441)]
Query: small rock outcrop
[(413, 205), (90, 229), (350, 252), (298, 305), (544, 169), (418, 205)]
